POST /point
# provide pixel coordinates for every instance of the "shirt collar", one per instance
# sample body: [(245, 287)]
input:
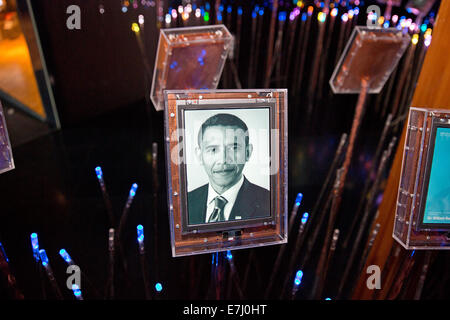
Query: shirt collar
[(230, 195)]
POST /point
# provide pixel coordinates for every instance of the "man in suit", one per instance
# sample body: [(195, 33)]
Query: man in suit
[(223, 150)]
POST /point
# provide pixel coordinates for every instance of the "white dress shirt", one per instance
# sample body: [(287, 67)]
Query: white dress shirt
[(230, 195)]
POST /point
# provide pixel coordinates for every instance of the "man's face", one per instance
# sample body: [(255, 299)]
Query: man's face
[(223, 154)]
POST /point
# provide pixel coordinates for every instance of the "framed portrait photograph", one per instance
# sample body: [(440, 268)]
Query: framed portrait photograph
[(435, 201), (226, 155), (422, 215)]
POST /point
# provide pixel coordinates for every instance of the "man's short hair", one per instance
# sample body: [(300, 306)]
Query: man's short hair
[(223, 119)]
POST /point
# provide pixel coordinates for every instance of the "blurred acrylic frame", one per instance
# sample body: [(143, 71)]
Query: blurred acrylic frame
[(237, 234), (371, 54), (189, 58), (6, 157), (409, 229)]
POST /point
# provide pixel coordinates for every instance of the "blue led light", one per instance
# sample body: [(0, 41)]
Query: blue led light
[(229, 9), (412, 253), (304, 16), (35, 245), (158, 287), (221, 8), (219, 17), (239, 11), (173, 65), (261, 11), (124, 9), (327, 298), (99, 173), (76, 291), (386, 24), (3, 251), (140, 233), (200, 60), (356, 11), (298, 199), (44, 257), (133, 190), (282, 16), (305, 217), (65, 255), (207, 6), (423, 27), (298, 277), (254, 14), (229, 255)]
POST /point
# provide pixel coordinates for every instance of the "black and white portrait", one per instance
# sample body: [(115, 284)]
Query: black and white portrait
[(228, 164)]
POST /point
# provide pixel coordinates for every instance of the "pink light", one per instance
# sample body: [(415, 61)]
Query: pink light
[(394, 18)]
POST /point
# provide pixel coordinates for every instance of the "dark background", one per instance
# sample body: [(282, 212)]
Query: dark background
[(101, 90)]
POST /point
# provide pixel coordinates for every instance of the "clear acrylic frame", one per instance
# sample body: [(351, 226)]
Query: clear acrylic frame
[(237, 234), (189, 58), (6, 157), (371, 54), (409, 229)]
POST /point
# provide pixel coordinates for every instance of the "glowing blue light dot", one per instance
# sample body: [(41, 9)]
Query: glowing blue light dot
[(239, 11), (173, 65), (423, 27), (298, 199), (140, 233), (63, 253), (261, 11), (133, 189), (229, 9), (44, 257), (229, 255), (304, 16), (253, 14), (327, 298), (158, 287), (298, 277), (99, 172), (124, 9), (305, 217), (76, 290), (282, 16)]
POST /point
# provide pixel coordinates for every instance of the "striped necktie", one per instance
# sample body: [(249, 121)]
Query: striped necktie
[(217, 214)]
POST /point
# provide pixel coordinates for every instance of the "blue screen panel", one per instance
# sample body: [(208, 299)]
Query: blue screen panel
[(437, 206)]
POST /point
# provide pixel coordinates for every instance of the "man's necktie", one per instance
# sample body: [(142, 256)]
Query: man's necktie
[(217, 214)]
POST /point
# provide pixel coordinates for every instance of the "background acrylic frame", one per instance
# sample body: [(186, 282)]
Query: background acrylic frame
[(408, 230), (371, 54), (189, 58), (238, 237), (6, 157)]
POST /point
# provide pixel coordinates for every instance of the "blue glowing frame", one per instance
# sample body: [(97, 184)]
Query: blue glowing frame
[(230, 235)]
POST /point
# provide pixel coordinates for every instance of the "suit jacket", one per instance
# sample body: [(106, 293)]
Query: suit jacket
[(251, 202)]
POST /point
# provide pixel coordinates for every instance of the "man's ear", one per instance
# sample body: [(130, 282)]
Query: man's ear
[(198, 154), (248, 152)]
